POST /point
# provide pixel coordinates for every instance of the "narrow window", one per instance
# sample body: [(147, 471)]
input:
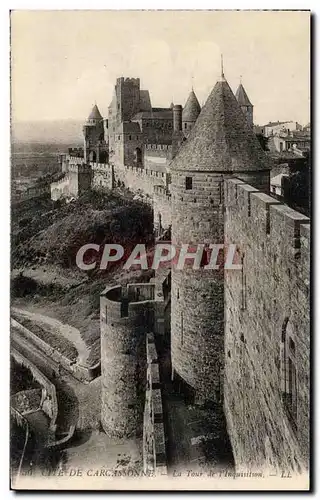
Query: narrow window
[(220, 192), (243, 286), (289, 372), (188, 182), (292, 346), (181, 329), (292, 390), (129, 137)]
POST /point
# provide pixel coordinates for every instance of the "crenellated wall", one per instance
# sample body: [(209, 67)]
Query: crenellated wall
[(77, 180), (102, 176), (267, 331), (154, 449), (157, 155), (30, 193), (139, 179)]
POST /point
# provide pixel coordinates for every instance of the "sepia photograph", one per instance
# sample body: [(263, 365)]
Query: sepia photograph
[(160, 250)]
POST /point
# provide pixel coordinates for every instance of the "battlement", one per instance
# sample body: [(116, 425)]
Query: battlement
[(73, 159), (31, 192), (57, 183), (127, 301), (100, 166), (159, 147), (135, 298), (162, 192), (266, 216), (126, 80), (267, 307), (79, 168), (148, 172), (76, 152)]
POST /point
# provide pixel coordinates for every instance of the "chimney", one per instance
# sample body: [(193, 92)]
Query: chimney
[(177, 117)]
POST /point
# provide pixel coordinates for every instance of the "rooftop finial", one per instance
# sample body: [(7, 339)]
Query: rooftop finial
[(192, 82), (240, 79), (222, 77)]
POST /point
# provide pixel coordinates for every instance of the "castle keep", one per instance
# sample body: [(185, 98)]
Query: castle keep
[(238, 338)]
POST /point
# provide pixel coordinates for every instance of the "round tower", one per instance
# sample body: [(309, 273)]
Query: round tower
[(125, 319), (190, 112), (177, 117), (220, 144), (93, 132), (245, 104)]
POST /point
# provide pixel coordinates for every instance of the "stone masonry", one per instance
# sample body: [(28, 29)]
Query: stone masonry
[(267, 326)]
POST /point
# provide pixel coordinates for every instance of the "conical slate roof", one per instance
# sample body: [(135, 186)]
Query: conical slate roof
[(221, 140), (95, 114), (191, 109), (242, 96)]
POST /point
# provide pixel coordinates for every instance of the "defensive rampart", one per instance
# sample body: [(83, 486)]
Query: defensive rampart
[(267, 331)]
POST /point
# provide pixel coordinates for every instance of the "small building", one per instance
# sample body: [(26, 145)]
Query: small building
[(275, 128)]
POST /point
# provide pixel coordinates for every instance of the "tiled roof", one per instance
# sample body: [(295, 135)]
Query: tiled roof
[(95, 114), (156, 114), (191, 109), (221, 140), (242, 96), (274, 124)]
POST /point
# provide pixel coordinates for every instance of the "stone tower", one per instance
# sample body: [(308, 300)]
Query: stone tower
[(126, 316), (221, 144), (93, 132), (190, 112), (124, 105), (245, 104)]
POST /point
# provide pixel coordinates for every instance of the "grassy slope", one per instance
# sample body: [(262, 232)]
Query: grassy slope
[(48, 234)]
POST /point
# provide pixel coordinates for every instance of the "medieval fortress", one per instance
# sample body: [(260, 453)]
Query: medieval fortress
[(238, 338)]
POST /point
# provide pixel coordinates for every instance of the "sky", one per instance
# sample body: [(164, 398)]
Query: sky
[(62, 62)]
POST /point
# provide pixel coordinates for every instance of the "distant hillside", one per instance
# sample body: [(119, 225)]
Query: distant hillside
[(47, 232), (59, 131)]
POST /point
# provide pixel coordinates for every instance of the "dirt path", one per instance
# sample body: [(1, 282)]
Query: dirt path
[(48, 275), (67, 331)]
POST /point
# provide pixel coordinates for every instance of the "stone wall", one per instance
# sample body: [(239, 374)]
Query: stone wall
[(30, 193), (154, 448), (102, 176), (80, 372), (60, 188), (77, 180), (127, 315), (49, 401), (197, 295), (124, 326), (161, 209), (197, 320), (267, 349), (158, 155), (139, 179)]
